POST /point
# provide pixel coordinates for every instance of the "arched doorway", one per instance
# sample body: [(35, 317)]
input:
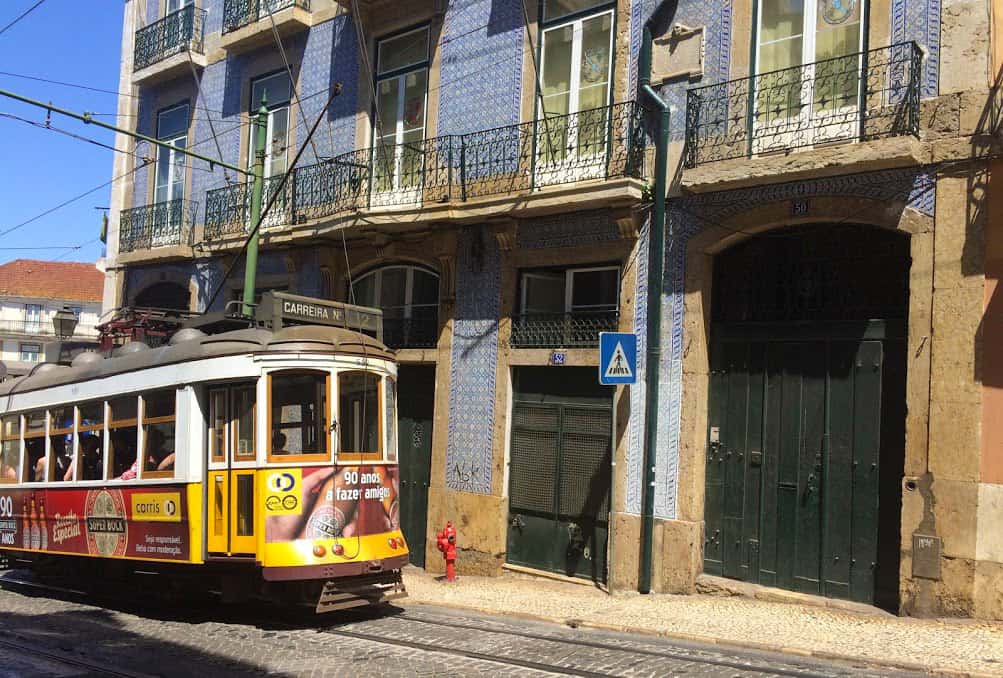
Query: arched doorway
[(806, 412), (165, 295)]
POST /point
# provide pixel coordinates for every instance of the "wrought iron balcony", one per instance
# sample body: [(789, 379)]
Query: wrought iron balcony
[(598, 144), (562, 330), (41, 328), (863, 96), (157, 225), (176, 33), (421, 332), (240, 13)]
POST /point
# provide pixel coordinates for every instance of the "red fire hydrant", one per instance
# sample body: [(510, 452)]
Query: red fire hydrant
[(446, 543)]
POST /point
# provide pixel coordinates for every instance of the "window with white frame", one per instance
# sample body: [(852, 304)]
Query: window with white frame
[(175, 5), (33, 318), (401, 90), (30, 352), (575, 291), (172, 129), (575, 84), (276, 89)]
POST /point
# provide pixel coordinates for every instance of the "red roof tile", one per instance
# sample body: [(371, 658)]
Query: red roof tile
[(51, 280)]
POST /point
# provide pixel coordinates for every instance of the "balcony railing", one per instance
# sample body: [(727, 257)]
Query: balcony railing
[(421, 332), (602, 143), (176, 33), (562, 330), (868, 95), (42, 328), (240, 13), (157, 225)]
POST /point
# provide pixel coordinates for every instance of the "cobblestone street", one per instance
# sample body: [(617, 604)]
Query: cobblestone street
[(45, 634)]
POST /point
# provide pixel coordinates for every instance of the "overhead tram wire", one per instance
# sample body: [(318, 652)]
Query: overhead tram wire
[(21, 16), (335, 91)]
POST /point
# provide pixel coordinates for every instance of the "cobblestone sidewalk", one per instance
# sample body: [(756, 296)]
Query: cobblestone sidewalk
[(949, 647)]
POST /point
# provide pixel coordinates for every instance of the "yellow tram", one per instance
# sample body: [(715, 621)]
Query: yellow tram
[(262, 459)]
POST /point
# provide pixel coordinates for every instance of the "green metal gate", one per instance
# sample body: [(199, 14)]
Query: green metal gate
[(559, 472), (805, 440), (415, 409)]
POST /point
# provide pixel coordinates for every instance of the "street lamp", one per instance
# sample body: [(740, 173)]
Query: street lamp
[(65, 323)]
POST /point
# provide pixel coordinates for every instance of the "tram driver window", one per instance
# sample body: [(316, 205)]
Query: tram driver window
[(158, 433), (10, 448), (359, 414), (123, 435), (298, 413), (34, 446)]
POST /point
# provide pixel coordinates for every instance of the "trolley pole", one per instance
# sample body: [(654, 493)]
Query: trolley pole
[(257, 189)]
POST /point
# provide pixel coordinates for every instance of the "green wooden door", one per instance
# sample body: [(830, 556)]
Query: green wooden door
[(559, 472), (792, 463), (415, 410)]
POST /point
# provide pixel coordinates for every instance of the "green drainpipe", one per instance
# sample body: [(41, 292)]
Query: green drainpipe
[(656, 259)]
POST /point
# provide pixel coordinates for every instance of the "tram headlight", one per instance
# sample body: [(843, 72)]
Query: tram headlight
[(319, 551)]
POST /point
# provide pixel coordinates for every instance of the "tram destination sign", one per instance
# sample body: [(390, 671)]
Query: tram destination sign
[(280, 309)]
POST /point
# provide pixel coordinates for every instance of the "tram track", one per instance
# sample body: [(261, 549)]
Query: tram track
[(31, 649), (531, 647)]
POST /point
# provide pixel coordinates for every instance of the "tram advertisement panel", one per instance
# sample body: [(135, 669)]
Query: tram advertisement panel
[(150, 522), (326, 502)]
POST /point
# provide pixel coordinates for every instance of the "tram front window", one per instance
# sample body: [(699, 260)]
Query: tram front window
[(359, 413), (297, 416)]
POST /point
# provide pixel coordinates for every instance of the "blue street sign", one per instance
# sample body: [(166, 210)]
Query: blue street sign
[(617, 358)]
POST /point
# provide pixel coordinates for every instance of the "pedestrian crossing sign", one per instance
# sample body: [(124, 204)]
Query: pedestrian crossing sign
[(617, 358)]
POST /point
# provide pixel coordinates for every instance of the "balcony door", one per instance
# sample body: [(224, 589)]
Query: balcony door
[(409, 298), (175, 5), (572, 127), (808, 72), (32, 318), (276, 89), (567, 308), (169, 188), (401, 90)]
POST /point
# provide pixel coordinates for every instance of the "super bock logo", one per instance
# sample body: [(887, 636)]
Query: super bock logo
[(107, 530)]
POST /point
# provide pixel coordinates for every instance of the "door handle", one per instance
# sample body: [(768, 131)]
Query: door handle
[(517, 522)]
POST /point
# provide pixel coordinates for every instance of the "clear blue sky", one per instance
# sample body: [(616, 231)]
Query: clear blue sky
[(76, 41)]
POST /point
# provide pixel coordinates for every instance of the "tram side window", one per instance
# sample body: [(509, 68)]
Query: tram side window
[(297, 417), (34, 446), (243, 422), (60, 443), (123, 435), (90, 437), (10, 448), (158, 433), (218, 426), (359, 414)]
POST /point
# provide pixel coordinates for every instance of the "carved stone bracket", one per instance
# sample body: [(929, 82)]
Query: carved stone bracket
[(505, 233), (629, 228)]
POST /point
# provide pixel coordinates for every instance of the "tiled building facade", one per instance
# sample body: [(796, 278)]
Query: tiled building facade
[(498, 255)]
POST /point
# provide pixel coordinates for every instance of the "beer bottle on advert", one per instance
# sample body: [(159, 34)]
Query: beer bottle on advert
[(25, 526), (43, 525), (36, 536)]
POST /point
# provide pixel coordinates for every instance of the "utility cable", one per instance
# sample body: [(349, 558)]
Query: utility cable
[(292, 87), (212, 128), (21, 16), (335, 91)]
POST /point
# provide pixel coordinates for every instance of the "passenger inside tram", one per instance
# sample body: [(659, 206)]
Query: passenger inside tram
[(90, 455), (159, 454)]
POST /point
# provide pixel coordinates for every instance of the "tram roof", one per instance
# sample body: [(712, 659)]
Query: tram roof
[(189, 345)]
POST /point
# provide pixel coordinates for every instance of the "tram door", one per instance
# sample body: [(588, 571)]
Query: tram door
[(231, 456)]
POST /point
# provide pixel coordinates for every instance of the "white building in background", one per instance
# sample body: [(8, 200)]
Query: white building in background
[(31, 292)]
